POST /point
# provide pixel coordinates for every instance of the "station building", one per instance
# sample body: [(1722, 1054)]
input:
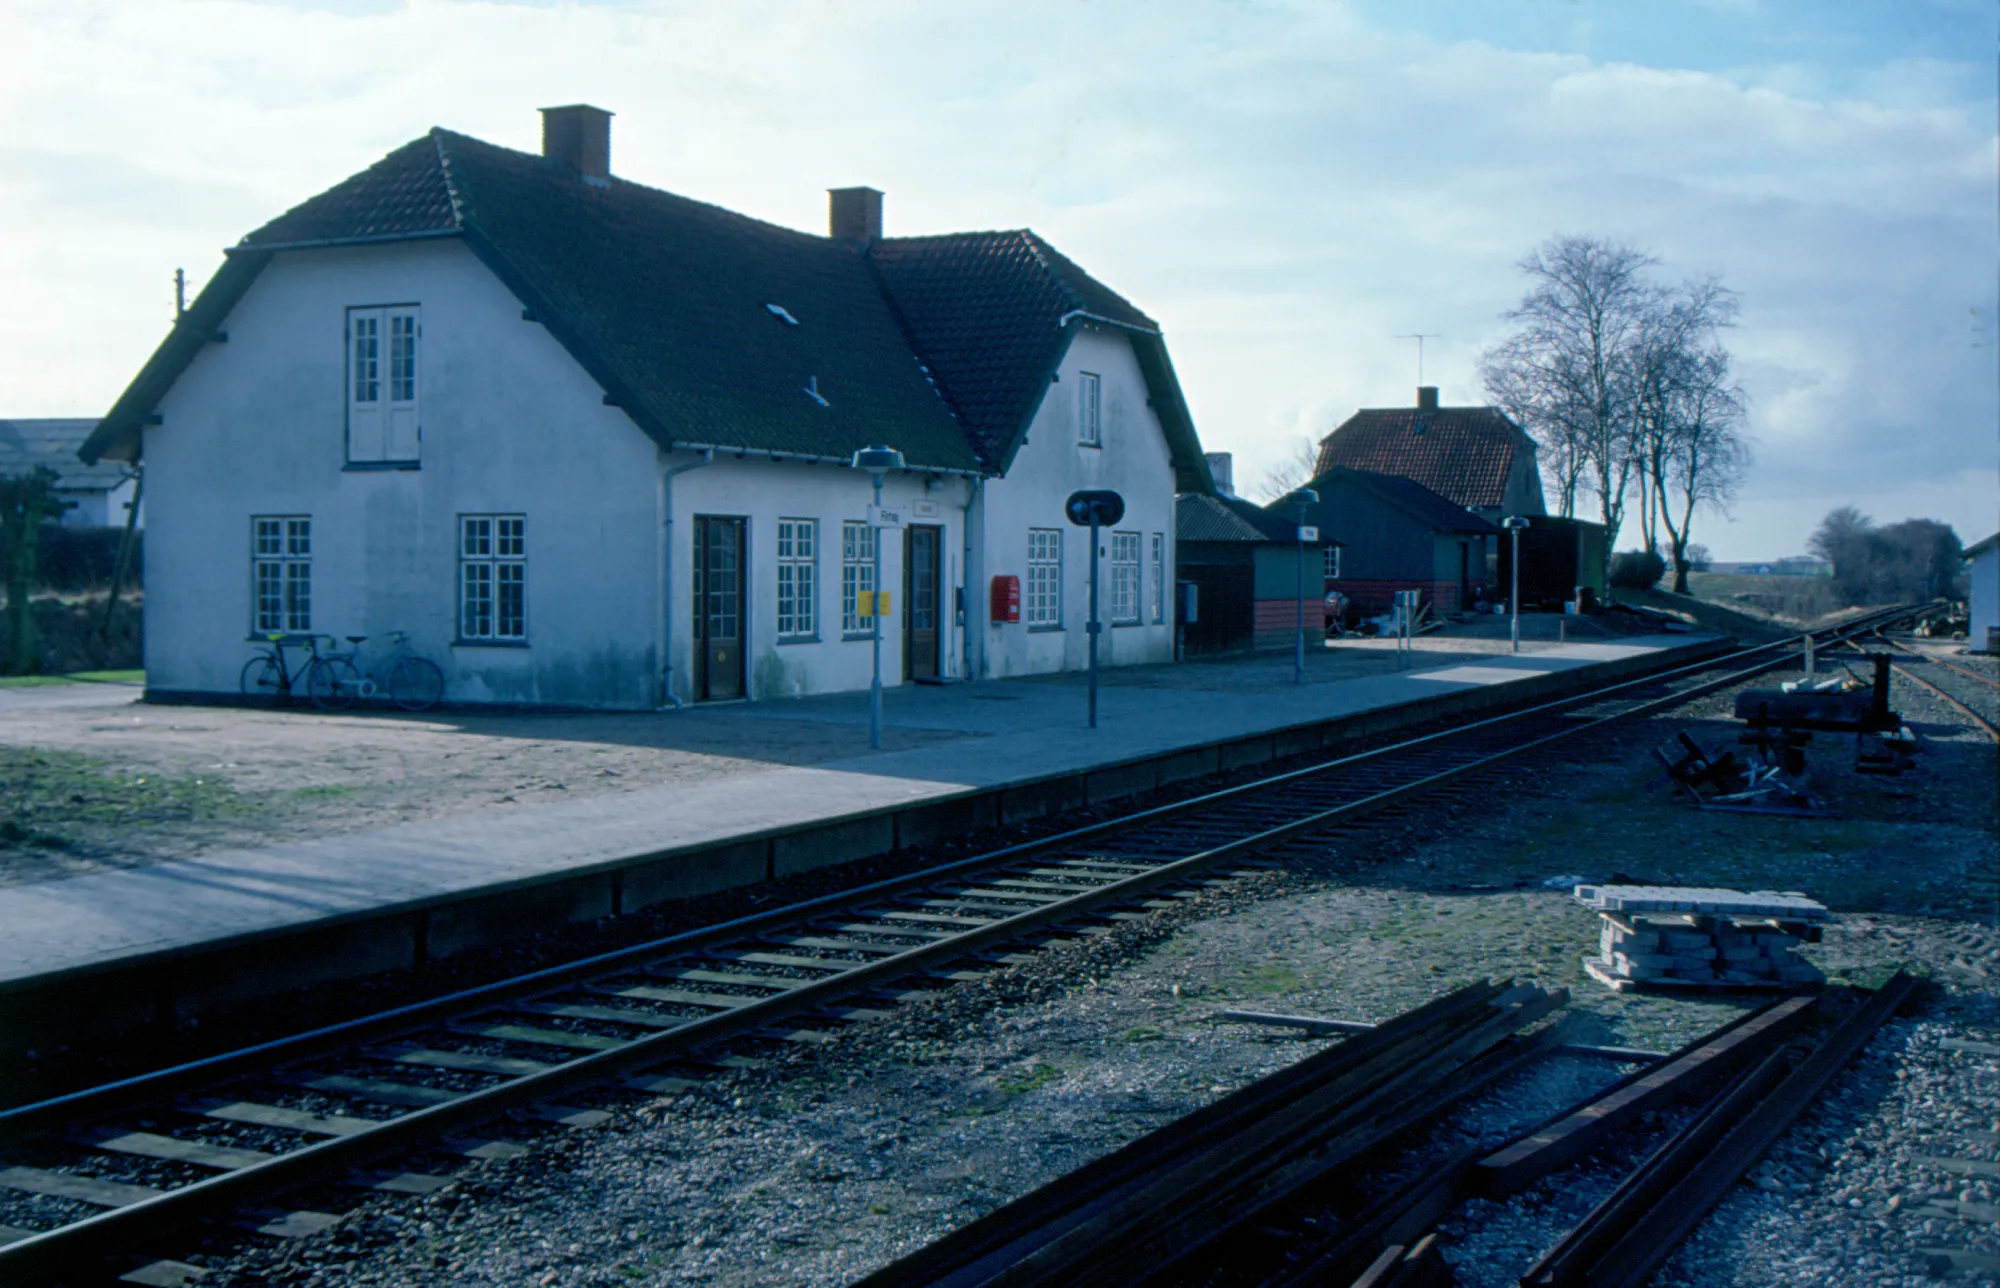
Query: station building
[(588, 442)]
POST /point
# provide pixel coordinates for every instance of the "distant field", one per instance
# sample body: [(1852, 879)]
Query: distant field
[(1789, 599)]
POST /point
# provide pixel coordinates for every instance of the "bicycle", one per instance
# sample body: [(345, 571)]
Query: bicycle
[(410, 682), (268, 676)]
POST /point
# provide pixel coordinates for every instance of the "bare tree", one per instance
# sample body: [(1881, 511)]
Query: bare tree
[(1295, 469), (1567, 368), (1516, 384), (1703, 449), (1686, 416)]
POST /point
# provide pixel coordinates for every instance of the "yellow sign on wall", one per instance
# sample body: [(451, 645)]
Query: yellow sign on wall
[(866, 604)]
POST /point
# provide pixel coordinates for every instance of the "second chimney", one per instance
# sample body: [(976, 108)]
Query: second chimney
[(855, 215), (1221, 468), (579, 136), (1427, 397)]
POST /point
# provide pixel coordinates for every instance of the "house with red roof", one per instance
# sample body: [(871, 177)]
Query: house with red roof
[(589, 442), (1474, 457)]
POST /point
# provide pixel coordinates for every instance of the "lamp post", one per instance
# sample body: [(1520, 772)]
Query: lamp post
[(878, 461), (1513, 523), (1301, 502)]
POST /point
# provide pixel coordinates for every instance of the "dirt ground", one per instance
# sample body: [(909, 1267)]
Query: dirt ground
[(830, 1162), (93, 778)]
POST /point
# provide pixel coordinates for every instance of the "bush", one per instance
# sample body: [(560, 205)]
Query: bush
[(1637, 569), (73, 557)]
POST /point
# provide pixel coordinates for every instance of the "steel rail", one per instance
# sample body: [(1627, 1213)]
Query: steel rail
[(1979, 722), (48, 1252), (29, 1118)]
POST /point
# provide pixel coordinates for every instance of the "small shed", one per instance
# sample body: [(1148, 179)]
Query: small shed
[(1395, 534), (1983, 599), (1243, 561)]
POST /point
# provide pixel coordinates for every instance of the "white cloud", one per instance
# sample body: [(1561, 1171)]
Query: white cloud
[(1285, 186)]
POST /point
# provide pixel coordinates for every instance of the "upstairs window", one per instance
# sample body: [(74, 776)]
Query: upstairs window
[(382, 345), (1089, 409), (1332, 560), (492, 577), (280, 573)]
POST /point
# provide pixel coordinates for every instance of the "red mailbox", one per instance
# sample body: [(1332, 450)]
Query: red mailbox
[(1006, 606)]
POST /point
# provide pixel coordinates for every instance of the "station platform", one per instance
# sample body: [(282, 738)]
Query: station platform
[(106, 951)]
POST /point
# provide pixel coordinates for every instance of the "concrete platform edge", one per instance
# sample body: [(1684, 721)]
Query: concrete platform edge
[(171, 985)]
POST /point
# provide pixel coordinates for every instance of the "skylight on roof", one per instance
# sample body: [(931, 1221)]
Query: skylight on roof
[(783, 314)]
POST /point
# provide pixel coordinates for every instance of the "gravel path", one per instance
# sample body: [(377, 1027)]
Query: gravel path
[(823, 1165)]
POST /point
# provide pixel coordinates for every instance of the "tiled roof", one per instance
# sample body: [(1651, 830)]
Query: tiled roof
[(1199, 517), (986, 312), (939, 346), (1411, 497), (1464, 454), (25, 444)]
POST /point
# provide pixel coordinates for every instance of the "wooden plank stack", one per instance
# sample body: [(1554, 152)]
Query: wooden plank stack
[(1701, 937)]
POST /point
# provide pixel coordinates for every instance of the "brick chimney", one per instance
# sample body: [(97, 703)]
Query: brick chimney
[(854, 215), (579, 136), (1427, 397)]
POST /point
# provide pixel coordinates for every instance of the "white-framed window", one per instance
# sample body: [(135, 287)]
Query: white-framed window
[(280, 573), (1045, 578), (492, 577), (1089, 409), (857, 575), (1331, 560), (1158, 603), (1125, 578), (798, 578), (382, 385)]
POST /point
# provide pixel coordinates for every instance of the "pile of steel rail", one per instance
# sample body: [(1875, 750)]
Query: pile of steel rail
[(1236, 1193), (1161, 1205)]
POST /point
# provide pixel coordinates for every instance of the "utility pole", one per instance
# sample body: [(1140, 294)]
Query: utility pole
[(1513, 523)]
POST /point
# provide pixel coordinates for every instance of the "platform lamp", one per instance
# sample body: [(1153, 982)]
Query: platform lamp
[(878, 461), (1302, 502), (1514, 523)]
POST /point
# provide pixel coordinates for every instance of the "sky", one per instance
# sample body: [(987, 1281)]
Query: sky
[(1289, 186)]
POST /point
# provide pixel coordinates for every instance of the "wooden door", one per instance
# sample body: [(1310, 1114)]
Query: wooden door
[(922, 597), (718, 607)]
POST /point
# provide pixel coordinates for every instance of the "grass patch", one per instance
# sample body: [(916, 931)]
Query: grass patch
[(1268, 980), (1033, 1080), (55, 799), (90, 677), (323, 792), (1144, 1033)]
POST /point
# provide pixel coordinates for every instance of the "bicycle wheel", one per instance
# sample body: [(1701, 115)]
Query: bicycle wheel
[(333, 683), (261, 681), (415, 684)]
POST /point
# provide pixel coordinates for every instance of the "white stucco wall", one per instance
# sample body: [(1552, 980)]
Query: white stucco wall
[(1983, 574), (1134, 462), (256, 426), (762, 492)]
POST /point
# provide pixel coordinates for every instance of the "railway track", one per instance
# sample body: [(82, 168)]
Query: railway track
[(1291, 1182), (115, 1167), (1985, 686)]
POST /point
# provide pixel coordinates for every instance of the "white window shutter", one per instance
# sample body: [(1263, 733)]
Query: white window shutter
[(367, 400), (403, 366)]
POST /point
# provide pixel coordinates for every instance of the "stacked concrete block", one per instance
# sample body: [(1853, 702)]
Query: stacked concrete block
[(1668, 936)]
